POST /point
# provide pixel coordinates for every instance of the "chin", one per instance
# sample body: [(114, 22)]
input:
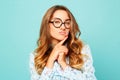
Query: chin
[(61, 38)]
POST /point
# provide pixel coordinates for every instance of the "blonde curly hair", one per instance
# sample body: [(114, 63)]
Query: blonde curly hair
[(74, 44)]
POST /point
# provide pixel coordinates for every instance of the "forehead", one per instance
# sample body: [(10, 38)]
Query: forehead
[(62, 14)]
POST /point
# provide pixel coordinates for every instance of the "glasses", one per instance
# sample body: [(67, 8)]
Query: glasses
[(57, 22)]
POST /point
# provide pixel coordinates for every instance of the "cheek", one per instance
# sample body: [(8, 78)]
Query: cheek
[(52, 31)]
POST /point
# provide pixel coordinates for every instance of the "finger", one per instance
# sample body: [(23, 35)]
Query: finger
[(61, 42), (62, 53)]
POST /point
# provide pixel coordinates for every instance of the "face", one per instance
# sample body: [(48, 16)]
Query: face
[(59, 25)]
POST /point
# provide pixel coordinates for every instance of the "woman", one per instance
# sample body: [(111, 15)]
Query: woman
[(60, 54)]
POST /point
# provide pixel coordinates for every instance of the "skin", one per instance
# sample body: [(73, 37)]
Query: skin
[(59, 51)]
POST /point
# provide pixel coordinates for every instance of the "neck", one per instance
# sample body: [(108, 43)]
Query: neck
[(54, 42)]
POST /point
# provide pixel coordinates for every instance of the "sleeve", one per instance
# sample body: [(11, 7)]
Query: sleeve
[(45, 75), (87, 72)]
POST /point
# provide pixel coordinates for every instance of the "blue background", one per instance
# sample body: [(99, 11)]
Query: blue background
[(99, 21)]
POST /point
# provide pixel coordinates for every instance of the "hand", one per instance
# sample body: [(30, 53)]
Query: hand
[(58, 49), (62, 60)]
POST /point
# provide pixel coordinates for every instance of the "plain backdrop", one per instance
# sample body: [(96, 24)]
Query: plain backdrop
[(99, 22)]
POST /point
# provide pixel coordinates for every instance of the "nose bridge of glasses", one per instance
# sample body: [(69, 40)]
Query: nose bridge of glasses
[(63, 23)]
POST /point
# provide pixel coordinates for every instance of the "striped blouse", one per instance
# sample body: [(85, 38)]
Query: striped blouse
[(69, 73)]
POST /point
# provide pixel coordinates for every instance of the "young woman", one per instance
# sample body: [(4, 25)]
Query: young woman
[(60, 54)]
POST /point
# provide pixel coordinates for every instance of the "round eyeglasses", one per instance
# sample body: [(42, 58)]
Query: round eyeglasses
[(57, 22)]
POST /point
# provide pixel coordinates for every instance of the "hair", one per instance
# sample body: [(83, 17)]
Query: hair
[(74, 44)]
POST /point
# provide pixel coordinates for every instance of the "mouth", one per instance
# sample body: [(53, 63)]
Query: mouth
[(62, 33)]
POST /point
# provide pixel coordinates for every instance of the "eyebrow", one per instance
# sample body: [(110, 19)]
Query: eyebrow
[(60, 18)]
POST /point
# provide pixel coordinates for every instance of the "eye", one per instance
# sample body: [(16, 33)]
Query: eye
[(67, 22), (57, 22)]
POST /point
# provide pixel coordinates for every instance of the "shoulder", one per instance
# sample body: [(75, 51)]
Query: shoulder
[(32, 54), (86, 51), (31, 57)]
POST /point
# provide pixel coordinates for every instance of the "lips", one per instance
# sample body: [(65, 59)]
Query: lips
[(62, 33)]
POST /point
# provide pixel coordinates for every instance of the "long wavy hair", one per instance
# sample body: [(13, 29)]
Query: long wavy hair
[(74, 44)]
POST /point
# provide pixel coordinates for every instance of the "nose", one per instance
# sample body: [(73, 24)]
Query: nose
[(62, 26)]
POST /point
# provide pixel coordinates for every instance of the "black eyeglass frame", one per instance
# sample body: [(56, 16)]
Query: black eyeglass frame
[(60, 24)]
